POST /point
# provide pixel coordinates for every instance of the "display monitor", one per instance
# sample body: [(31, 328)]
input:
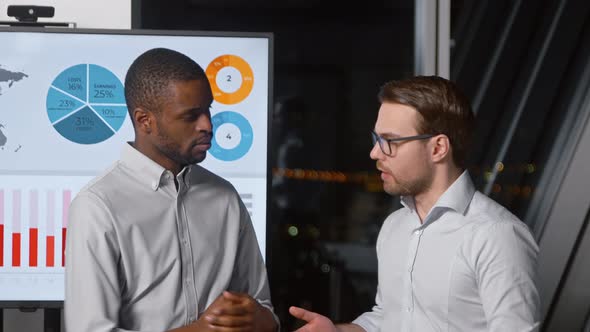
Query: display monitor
[(63, 120)]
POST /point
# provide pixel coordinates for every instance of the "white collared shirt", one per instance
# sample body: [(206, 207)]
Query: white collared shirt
[(471, 266), (142, 255)]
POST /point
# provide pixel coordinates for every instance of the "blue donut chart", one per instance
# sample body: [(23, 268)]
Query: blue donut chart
[(246, 136)]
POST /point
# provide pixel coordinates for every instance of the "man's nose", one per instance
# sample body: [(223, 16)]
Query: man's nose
[(376, 152), (204, 123)]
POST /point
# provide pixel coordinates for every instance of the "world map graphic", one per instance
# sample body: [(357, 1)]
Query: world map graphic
[(7, 80)]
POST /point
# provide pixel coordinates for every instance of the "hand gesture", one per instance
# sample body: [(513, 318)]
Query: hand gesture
[(315, 321)]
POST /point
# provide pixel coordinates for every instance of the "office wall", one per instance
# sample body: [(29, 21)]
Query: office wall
[(104, 14)]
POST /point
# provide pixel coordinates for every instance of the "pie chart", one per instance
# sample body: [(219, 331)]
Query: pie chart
[(231, 79), (86, 104), (232, 136)]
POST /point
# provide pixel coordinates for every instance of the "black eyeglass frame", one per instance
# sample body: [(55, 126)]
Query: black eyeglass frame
[(379, 139)]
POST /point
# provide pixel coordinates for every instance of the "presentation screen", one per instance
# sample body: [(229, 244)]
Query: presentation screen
[(63, 120)]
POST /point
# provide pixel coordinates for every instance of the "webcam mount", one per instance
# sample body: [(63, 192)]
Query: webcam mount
[(27, 15)]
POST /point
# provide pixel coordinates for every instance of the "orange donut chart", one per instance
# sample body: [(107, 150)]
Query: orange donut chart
[(242, 66)]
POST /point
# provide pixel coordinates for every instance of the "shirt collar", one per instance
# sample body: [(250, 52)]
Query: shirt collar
[(457, 197), (147, 170)]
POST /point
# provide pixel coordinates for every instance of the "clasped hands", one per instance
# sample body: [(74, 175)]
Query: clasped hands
[(235, 312)]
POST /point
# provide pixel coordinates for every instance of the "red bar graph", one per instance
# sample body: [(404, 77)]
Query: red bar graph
[(16, 238), (50, 239), (33, 245), (1, 227), (15, 249), (33, 227), (1, 244), (67, 197), (50, 257), (35, 240), (63, 246)]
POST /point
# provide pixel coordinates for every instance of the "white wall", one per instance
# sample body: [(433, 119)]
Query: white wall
[(103, 14)]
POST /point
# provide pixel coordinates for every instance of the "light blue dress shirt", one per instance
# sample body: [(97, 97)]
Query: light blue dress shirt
[(144, 256), (471, 266)]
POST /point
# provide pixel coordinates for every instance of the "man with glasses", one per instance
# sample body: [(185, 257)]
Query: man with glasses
[(451, 259)]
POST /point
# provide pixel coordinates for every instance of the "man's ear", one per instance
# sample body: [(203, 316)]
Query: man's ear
[(143, 120), (441, 148)]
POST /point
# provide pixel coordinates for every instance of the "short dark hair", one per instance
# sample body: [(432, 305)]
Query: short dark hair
[(443, 107), (150, 74)]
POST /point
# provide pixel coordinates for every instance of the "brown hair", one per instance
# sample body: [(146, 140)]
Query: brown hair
[(444, 109)]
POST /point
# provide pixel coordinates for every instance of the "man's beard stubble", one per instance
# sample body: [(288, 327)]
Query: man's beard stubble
[(410, 187)]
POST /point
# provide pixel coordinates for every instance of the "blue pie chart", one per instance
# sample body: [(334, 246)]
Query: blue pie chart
[(232, 136), (86, 104)]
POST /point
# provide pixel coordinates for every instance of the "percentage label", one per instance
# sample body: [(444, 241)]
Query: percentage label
[(66, 103), (74, 86), (103, 94), (107, 111), (84, 121)]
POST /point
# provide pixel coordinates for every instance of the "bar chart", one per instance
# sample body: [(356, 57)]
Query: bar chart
[(33, 232), (26, 241)]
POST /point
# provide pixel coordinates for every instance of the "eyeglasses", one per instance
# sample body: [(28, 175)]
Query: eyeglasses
[(390, 149)]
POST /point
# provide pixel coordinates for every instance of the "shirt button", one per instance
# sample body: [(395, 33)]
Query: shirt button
[(409, 309)]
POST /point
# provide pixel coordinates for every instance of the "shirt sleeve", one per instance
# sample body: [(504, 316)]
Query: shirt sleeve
[(92, 288), (250, 275), (504, 257), (370, 321)]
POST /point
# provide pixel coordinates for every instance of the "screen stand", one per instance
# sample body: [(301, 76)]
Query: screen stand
[(51, 320)]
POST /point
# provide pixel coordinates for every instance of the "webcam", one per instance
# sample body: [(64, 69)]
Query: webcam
[(26, 13)]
